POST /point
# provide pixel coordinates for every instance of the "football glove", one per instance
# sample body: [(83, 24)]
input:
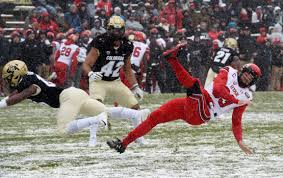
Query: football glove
[(137, 91), (3, 103), (95, 76)]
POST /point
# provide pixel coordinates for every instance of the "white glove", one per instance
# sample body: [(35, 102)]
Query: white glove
[(137, 91), (3, 103), (94, 76)]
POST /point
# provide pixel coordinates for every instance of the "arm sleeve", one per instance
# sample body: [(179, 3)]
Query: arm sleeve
[(237, 122), (74, 62), (182, 75), (219, 86)]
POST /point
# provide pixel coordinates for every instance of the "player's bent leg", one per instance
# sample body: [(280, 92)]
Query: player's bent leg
[(135, 116), (92, 107), (82, 123), (170, 111), (71, 100), (123, 95), (98, 90)]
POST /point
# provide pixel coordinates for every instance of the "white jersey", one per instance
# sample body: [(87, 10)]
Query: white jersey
[(138, 52), (56, 45), (67, 52), (222, 106)]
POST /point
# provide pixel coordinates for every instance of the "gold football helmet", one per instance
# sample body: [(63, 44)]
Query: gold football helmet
[(231, 43), (13, 72), (116, 22)]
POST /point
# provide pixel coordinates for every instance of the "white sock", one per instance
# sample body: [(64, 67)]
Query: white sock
[(92, 134), (79, 124), (122, 113)]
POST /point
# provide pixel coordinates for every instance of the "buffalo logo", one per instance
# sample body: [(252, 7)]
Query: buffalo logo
[(107, 52)]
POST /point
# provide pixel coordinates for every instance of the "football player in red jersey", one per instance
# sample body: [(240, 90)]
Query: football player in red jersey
[(229, 91)]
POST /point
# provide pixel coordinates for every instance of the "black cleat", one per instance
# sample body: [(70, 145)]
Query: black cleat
[(117, 145)]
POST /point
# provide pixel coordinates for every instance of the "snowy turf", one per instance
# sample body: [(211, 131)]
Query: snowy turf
[(29, 147)]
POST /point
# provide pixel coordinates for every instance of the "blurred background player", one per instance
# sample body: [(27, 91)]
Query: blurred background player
[(139, 58), (66, 61), (71, 101), (229, 91), (155, 74), (226, 55)]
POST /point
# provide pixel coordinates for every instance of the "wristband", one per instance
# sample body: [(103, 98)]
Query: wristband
[(3, 103), (90, 73), (135, 86)]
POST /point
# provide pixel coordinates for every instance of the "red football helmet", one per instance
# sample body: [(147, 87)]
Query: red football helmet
[(139, 36), (253, 70)]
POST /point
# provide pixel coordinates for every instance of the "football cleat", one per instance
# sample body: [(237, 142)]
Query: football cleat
[(173, 52), (117, 145), (104, 120)]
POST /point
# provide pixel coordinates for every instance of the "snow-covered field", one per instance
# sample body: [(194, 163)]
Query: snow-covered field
[(29, 147)]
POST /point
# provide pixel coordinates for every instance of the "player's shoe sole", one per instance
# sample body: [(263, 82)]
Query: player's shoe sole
[(116, 145)]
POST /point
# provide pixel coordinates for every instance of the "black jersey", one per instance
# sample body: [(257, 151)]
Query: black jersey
[(47, 92), (110, 59), (223, 57)]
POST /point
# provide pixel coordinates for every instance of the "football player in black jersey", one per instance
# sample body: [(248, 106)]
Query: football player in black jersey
[(227, 55), (109, 53), (71, 101)]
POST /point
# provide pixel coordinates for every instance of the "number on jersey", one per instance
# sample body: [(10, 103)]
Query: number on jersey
[(112, 68), (65, 51), (137, 51), (221, 57)]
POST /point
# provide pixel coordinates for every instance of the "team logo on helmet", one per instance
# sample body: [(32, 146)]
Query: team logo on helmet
[(116, 22), (231, 43), (13, 72)]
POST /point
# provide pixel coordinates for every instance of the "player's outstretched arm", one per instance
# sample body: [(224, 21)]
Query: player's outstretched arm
[(245, 148), (18, 97), (237, 128)]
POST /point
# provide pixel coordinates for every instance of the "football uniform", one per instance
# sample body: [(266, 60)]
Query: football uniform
[(197, 107), (225, 105), (139, 50), (222, 57), (109, 63), (137, 56), (66, 62), (71, 101)]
